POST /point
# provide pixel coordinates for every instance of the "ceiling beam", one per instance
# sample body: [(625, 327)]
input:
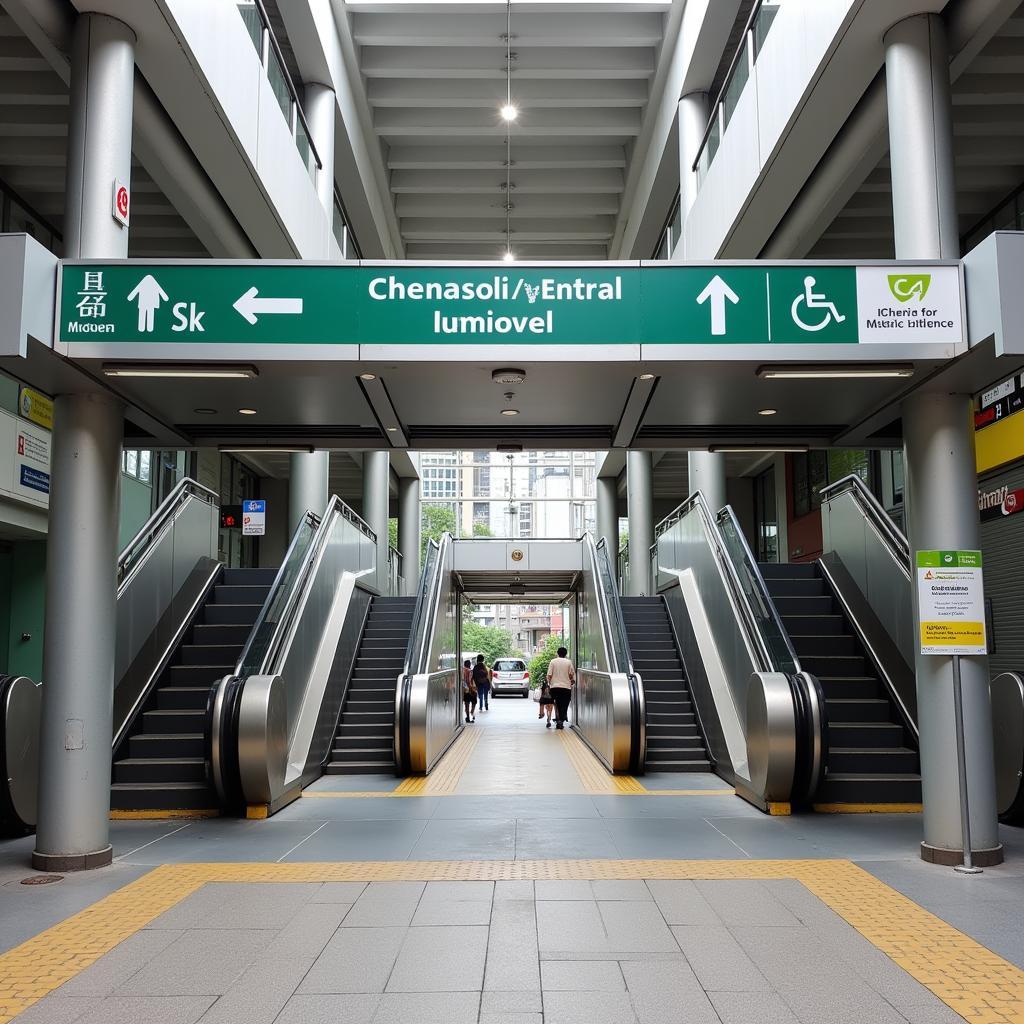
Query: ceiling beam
[(418, 157)]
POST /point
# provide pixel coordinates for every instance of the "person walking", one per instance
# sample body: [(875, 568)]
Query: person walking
[(468, 691), (561, 678), (481, 679), (483, 689), (546, 703)]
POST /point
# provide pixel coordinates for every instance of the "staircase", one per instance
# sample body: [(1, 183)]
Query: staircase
[(364, 743), (674, 741), (165, 764), (870, 753)]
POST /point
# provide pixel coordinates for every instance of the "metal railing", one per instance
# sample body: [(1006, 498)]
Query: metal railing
[(134, 552), (257, 23), (396, 574), (873, 511), (741, 69)]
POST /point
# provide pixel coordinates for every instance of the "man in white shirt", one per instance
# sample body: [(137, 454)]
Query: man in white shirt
[(561, 679)]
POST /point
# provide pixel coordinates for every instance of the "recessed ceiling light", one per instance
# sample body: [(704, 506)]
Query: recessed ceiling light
[(509, 412), (646, 376), (756, 449), (205, 412), (170, 370), (509, 256), (367, 376), (509, 112), (391, 430), (508, 375), (247, 412), (767, 412), (827, 372), (266, 451)]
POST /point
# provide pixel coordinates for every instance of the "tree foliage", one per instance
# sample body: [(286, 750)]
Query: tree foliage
[(490, 641), (539, 664)]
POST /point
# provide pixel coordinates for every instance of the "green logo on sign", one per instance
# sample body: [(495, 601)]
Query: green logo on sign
[(909, 286)]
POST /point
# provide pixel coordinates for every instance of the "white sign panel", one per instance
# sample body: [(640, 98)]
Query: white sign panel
[(254, 518), (951, 601), (909, 304)]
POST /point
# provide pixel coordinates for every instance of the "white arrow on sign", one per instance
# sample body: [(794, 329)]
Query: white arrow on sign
[(717, 291), (248, 305)]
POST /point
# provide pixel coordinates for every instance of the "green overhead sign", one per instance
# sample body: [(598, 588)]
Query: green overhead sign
[(406, 304)]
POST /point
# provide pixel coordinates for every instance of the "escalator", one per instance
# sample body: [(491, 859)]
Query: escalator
[(675, 742), (871, 750), (365, 739), (161, 762)]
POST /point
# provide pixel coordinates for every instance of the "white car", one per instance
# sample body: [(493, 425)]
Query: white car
[(510, 676)]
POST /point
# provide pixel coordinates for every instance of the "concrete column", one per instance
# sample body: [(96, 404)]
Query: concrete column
[(640, 504), (376, 473), (99, 136), (409, 530), (707, 474), (939, 441), (693, 122), (319, 109), (921, 139), (308, 485), (608, 514), (78, 650), (943, 515)]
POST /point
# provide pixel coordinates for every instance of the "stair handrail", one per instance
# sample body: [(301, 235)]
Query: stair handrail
[(133, 553), (322, 527), (426, 602), (875, 513)]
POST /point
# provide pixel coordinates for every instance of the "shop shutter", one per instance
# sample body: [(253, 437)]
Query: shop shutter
[(1002, 542)]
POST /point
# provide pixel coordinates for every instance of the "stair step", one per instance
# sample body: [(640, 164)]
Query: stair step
[(806, 646), (682, 765), (160, 769), (170, 796), (861, 761), (182, 698), (173, 721), (799, 586), (851, 687), (362, 754), (835, 665), (239, 595), (167, 744), (865, 734), (235, 636), (209, 654), (814, 625), (820, 605), (198, 675), (230, 614), (788, 570), (848, 787), (382, 767), (249, 577)]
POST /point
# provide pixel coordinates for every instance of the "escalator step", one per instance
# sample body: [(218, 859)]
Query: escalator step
[(818, 644), (182, 698), (234, 636), (208, 654), (844, 710), (158, 721), (198, 675)]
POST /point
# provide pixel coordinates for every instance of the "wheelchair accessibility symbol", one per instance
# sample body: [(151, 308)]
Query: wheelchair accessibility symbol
[(814, 311)]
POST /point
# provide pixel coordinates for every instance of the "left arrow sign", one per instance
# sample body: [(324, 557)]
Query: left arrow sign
[(249, 305)]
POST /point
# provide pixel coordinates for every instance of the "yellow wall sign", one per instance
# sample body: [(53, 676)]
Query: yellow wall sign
[(951, 602), (36, 407)]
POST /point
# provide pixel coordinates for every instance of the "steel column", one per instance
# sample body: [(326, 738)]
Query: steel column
[(608, 514), (319, 110), (707, 474), (640, 504), (308, 485), (78, 651), (693, 121), (938, 436), (409, 530), (376, 488), (99, 136)]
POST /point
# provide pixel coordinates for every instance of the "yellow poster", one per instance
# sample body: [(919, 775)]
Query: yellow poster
[(36, 407)]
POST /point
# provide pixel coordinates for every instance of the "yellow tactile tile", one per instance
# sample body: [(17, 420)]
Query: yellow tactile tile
[(445, 777), (979, 985)]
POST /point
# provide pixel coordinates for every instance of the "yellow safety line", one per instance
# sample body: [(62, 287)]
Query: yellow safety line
[(592, 774), (868, 808), (163, 813), (976, 983), (443, 780), (361, 794)]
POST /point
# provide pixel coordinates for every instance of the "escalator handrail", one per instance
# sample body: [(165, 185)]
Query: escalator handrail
[(697, 503), (875, 513), (612, 613), (133, 553)]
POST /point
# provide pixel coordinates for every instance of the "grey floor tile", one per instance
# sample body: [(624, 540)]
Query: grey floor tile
[(116, 967), (52, 1010), (395, 890), (577, 976), (515, 890), (635, 927), (227, 839), (570, 837), (147, 1010), (549, 889), (260, 993), (620, 890), (570, 926), (465, 912), (458, 892), (681, 902), (667, 993), (752, 1008), (588, 1008), (370, 913), (745, 903), (350, 1009), (355, 960), (512, 949), (440, 960), (660, 838), (801, 902), (338, 892), (717, 959), (511, 1018), (238, 905), (824, 1004), (510, 1002), (455, 839), (940, 1014), (198, 962), (307, 932), (360, 840), (428, 1008)]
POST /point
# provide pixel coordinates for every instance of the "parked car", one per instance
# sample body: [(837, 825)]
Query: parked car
[(510, 676)]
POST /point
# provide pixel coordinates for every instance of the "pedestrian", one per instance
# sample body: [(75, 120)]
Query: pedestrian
[(561, 678), (547, 702), (483, 688), (481, 680), (468, 691)]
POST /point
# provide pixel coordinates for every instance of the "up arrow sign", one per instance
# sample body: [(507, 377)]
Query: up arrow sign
[(248, 305), (717, 291)]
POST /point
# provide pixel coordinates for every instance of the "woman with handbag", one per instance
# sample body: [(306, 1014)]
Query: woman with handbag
[(468, 691)]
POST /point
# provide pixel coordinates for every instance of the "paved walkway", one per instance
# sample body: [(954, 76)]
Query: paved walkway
[(517, 885)]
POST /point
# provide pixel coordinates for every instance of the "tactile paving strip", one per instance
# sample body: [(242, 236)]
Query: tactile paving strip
[(979, 985)]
